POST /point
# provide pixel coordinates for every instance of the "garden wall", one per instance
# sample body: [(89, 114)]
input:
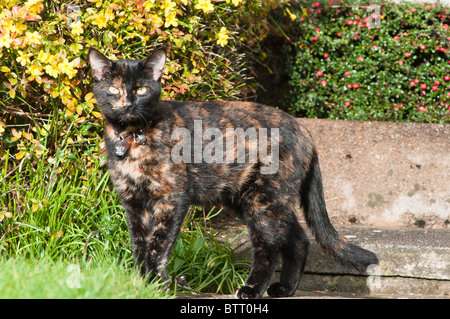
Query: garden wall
[(384, 174)]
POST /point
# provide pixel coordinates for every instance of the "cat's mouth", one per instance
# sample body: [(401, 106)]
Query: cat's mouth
[(130, 117), (122, 114)]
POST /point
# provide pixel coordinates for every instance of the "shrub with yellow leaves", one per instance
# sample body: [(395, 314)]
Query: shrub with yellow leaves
[(44, 77)]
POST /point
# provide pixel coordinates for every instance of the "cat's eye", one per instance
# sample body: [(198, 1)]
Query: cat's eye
[(141, 90), (113, 90)]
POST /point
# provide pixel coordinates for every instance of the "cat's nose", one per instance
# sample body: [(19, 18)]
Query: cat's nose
[(128, 104)]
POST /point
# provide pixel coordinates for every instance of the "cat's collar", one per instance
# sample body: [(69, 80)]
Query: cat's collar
[(127, 139)]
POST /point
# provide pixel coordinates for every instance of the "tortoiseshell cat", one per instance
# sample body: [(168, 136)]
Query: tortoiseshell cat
[(159, 175)]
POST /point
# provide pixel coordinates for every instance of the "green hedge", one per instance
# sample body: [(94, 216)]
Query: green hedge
[(342, 67)]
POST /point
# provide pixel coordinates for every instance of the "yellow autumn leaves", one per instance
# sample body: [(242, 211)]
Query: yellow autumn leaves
[(43, 45), (172, 12), (33, 45), (27, 145), (222, 37), (50, 58), (13, 27), (43, 56), (204, 5)]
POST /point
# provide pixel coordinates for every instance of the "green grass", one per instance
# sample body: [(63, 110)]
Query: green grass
[(63, 214), (24, 279)]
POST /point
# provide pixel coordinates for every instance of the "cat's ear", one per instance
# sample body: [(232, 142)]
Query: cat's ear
[(155, 63), (100, 64)]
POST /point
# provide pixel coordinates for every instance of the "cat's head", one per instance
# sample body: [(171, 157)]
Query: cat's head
[(127, 90)]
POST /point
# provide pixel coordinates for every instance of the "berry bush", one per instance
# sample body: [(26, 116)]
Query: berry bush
[(388, 64)]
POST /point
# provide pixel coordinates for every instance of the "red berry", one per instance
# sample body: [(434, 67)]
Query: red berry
[(447, 78), (434, 88), (319, 73), (423, 86), (422, 47), (347, 103), (325, 55), (407, 55), (355, 86), (324, 83), (315, 38), (412, 83)]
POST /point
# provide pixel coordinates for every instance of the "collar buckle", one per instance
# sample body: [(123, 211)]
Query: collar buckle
[(125, 142)]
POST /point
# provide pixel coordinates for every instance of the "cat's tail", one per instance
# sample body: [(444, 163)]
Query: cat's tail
[(316, 215)]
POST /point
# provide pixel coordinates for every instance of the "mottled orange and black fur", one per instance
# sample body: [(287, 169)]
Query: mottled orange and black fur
[(157, 192)]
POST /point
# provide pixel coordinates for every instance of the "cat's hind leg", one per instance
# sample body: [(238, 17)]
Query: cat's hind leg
[(264, 235), (294, 252)]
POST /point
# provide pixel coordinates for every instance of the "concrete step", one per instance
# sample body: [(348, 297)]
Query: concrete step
[(413, 262)]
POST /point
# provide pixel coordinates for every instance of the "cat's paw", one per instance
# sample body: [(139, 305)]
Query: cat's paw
[(247, 292), (278, 290)]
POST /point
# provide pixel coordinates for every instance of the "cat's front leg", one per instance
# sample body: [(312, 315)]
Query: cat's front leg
[(140, 225), (167, 220)]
